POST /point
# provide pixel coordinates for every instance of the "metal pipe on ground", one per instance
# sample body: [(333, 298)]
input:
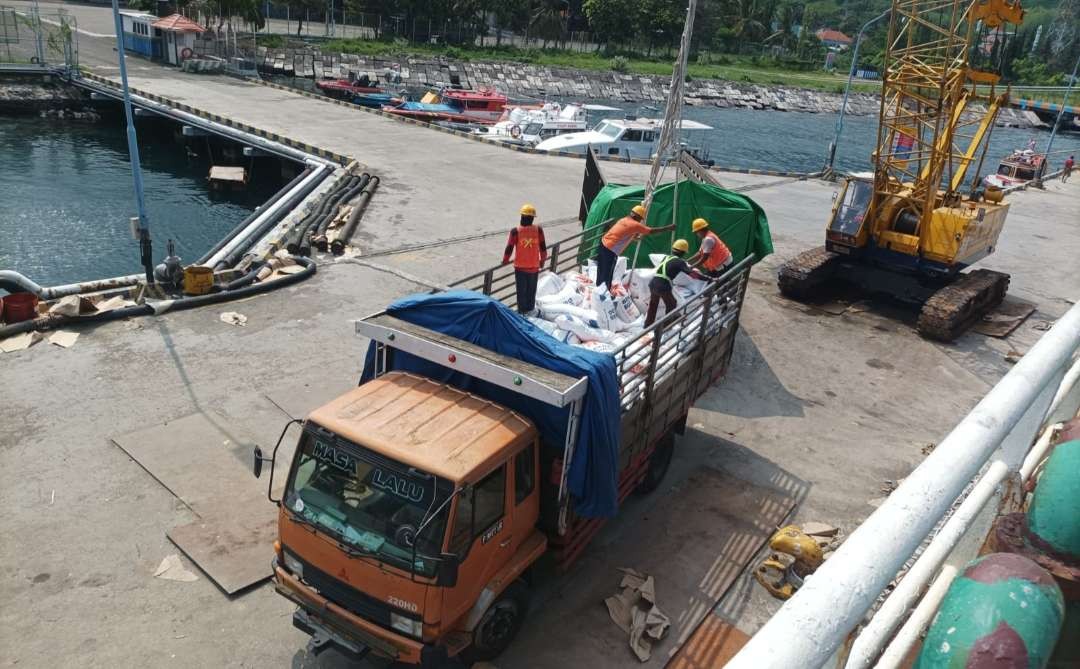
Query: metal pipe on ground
[(10, 279), (337, 247), (295, 237), (51, 321), (229, 254), (247, 221), (319, 240)]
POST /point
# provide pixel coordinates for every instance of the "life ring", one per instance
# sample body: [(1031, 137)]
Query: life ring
[(186, 53), (515, 131)]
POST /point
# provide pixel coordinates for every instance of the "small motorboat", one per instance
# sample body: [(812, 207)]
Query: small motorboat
[(454, 106), (1018, 168), (345, 89), (375, 100)]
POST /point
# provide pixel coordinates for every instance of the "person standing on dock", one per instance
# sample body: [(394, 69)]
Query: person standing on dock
[(618, 237), (1069, 162), (660, 286), (529, 249), (713, 255)]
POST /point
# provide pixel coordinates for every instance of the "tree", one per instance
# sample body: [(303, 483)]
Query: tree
[(612, 21), (1064, 36)]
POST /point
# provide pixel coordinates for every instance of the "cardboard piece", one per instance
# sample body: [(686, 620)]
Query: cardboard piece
[(233, 318), (172, 569), (634, 610), (115, 302), (63, 338), (20, 342)]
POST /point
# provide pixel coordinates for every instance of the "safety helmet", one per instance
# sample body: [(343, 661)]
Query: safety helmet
[(639, 209), (528, 210), (699, 224), (680, 245)]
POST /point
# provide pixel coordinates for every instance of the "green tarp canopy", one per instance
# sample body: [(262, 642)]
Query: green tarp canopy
[(735, 218)]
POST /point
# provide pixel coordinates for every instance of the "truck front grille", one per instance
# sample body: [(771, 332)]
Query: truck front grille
[(348, 597)]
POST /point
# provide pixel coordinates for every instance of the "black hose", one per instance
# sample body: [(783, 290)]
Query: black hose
[(337, 247), (298, 234), (244, 280), (251, 217), (52, 320), (318, 239), (308, 232), (293, 198)]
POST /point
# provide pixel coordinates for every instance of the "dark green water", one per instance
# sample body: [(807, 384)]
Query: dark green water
[(66, 196)]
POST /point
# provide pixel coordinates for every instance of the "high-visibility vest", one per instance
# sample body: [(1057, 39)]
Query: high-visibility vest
[(661, 269), (720, 254), (527, 250)]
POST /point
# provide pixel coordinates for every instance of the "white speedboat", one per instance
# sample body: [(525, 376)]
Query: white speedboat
[(626, 138), (529, 126)]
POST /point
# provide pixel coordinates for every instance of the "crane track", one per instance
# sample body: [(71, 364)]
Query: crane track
[(956, 307), (803, 277)]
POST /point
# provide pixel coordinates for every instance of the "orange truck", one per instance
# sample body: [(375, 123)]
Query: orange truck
[(413, 511)]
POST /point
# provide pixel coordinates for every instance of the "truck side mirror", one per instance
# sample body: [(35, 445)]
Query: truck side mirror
[(447, 573), (257, 464)]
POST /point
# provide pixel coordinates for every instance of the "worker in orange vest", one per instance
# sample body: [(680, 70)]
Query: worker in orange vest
[(712, 255), (618, 237), (529, 249)]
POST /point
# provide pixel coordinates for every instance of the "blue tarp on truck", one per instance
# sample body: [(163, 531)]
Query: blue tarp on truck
[(485, 322)]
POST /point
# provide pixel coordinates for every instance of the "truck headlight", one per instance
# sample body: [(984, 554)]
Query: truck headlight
[(413, 628), (294, 566)]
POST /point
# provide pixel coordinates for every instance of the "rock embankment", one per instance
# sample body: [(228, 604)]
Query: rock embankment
[(36, 94)]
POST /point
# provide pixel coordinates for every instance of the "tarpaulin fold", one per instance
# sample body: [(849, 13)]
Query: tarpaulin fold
[(485, 322)]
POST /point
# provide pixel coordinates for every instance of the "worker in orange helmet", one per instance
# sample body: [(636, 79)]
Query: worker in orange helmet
[(712, 255), (529, 249), (618, 237)]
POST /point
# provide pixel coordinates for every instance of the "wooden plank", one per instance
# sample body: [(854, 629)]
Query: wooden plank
[(233, 551)]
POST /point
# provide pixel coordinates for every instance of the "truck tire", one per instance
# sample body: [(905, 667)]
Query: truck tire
[(499, 624), (659, 464)]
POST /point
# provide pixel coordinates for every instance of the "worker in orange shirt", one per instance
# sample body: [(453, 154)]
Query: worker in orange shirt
[(529, 249), (618, 237), (712, 255)]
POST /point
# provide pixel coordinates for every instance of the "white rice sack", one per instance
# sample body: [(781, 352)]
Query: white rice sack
[(620, 267), (684, 280), (683, 293), (638, 283), (567, 295), (561, 335), (572, 339), (548, 283), (598, 346), (630, 328), (657, 258), (604, 307), (625, 309), (583, 331), (551, 312), (590, 271), (546, 326)]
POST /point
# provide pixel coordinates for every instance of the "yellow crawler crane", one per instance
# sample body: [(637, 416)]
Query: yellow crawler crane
[(907, 230)]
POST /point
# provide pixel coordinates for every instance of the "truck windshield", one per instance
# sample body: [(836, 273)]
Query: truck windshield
[(368, 502)]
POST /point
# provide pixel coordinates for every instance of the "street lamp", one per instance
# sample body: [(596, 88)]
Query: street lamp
[(133, 151), (847, 89)]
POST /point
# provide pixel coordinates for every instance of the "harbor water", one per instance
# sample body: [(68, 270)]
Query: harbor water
[(67, 196), (789, 141)]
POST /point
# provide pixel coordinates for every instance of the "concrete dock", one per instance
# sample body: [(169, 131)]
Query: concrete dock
[(838, 403)]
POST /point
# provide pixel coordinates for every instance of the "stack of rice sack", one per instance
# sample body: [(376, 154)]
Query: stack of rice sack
[(573, 309)]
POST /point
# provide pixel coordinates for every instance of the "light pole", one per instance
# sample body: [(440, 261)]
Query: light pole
[(133, 151), (847, 89), (1061, 112)]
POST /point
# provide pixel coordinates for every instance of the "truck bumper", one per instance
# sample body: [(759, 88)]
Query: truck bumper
[(329, 624)]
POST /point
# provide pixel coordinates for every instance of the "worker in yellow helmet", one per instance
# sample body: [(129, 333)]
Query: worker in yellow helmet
[(529, 249), (660, 286), (618, 237), (712, 255)]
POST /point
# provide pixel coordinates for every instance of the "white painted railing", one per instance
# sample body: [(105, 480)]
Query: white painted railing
[(996, 439)]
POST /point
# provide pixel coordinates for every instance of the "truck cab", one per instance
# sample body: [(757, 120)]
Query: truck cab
[(409, 512)]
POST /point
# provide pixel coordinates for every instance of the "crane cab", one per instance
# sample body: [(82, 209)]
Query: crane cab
[(847, 225)]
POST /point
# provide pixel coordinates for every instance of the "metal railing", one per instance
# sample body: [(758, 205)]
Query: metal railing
[(996, 439)]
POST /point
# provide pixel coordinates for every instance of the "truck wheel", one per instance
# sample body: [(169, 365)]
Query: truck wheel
[(500, 623), (659, 464)]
